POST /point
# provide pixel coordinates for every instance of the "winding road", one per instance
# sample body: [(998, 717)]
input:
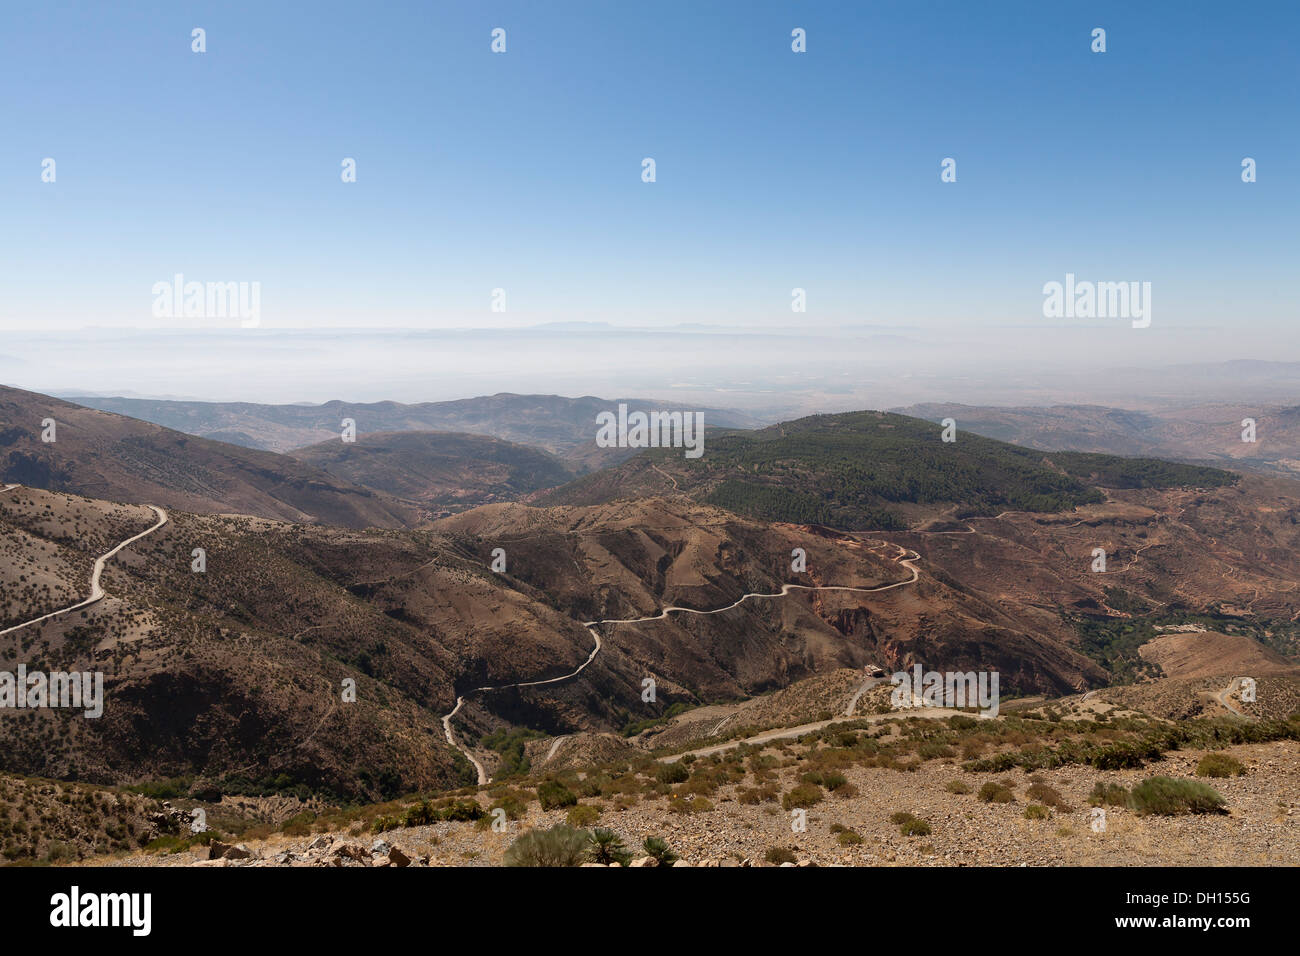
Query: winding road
[(1223, 695), (96, 592), (591, 626)]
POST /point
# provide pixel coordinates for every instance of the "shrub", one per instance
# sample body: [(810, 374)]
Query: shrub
[(957, 786), (1220, 765), (779, 855), (167, 844), (932, 750), (513, 803), (605, 846), (1048, 796), (914, 827), (671, 773), (993, 792), (902, 816), (1036, 812), (554, 795), (849, 838), (420, 814), (561, 845), (693, 805), (1166, 796), (1120, 756), (834, 780), (657, 849), (1108, 794), (583, 815), (462, 810), (804, 795)]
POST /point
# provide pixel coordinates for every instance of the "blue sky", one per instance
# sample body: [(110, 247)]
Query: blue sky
[(478, 170)]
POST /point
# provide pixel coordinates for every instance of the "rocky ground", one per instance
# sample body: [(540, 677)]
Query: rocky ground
[(1262, 827)]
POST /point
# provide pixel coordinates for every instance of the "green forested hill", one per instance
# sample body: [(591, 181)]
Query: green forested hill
[(851, 471)]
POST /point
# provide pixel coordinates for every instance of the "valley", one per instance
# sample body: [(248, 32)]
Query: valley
[(465, 647)]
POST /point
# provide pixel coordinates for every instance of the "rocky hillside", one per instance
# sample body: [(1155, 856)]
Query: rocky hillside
[(107, 456)]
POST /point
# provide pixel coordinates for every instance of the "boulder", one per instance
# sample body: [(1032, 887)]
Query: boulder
[(224, 851), (351, 851)]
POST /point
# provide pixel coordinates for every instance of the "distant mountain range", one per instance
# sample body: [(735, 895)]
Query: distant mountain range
[(109, 456), (563, 426), (1205, 434)]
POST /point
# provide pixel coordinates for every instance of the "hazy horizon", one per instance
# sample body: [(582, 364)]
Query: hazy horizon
[(771, 374)]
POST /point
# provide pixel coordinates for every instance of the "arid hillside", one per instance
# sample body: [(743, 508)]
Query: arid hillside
[(108, 456), (232, 676), (234, 673), (440, 471)]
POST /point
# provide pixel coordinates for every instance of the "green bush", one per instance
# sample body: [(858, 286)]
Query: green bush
[(834, 780), (1166, 796), (957, 786), (421, 814), (804, 795), (514, 803), (993, 792), (1037, 812), (933, 750), (561, 845), (605, 846), (554, 795), (694, 805), (657, 849), (672, 773), (583, 815), (462, 811), (779, 855), (914, 827), (1220, 765)]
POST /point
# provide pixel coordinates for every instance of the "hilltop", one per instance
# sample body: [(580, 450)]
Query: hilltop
[(875, 470)]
